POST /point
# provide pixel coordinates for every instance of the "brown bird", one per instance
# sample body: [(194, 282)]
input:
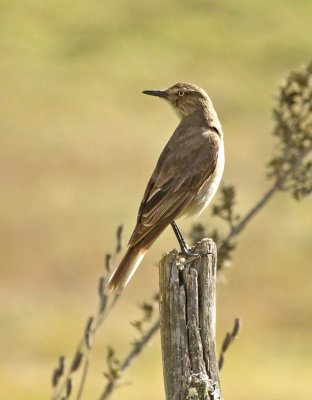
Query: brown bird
[(186, 177)]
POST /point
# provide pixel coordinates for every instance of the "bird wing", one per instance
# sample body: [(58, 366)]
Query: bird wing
[(185, 164)]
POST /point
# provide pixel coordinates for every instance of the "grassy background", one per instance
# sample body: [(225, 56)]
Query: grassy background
[(78, 144)]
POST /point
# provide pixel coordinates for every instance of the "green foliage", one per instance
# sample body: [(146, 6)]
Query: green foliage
[(225, 208), (113, 365), (293, 128), (146, 327), (148, 312)]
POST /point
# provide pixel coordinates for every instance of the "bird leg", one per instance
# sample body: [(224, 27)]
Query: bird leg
[(185, 249)]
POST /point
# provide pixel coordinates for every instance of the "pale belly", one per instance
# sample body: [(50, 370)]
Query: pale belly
[(208, 190)]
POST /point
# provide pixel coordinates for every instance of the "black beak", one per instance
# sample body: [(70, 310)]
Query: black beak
[(158, 93)]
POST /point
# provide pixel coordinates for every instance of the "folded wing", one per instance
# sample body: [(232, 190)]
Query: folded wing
[(177, 178)]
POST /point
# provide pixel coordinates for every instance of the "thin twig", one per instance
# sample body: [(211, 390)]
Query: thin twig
[(266, 197), (84, 377), (135, 352), (58, 390), (239, 227), (228, 340), (85, 345)]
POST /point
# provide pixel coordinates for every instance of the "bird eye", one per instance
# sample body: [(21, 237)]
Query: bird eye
[(181, 93)]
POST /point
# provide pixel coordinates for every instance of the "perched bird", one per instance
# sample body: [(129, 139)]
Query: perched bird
[(186, 177)]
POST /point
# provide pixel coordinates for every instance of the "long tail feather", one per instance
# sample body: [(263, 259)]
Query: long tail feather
[(126, 268)]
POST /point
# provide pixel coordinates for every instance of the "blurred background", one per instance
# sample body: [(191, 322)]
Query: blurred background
[(78, 144)]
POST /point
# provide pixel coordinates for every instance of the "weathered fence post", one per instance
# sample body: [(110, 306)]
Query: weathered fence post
[(188, 322)]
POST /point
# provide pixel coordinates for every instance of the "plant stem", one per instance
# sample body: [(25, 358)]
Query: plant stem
[(238, 228), (138, 347)]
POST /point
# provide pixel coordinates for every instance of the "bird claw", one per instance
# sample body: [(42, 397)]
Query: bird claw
[(189, 252), (181, 262)]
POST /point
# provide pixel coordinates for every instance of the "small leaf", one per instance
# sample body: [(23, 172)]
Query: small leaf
[(69, 387), (77, 361), (89, 333)]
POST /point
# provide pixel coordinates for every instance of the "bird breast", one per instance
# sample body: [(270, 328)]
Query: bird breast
[(209, 188)]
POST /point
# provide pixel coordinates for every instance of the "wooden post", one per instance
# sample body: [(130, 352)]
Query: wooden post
[(188, 322)]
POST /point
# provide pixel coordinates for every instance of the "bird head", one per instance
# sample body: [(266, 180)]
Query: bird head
[(185, 98)]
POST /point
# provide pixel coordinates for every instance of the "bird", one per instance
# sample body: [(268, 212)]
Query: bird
[(185, 179)]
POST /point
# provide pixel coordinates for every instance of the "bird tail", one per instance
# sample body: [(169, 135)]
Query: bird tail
[(126, 268)]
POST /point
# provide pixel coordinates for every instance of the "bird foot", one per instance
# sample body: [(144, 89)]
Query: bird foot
[(191, 252), (188, 251)]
